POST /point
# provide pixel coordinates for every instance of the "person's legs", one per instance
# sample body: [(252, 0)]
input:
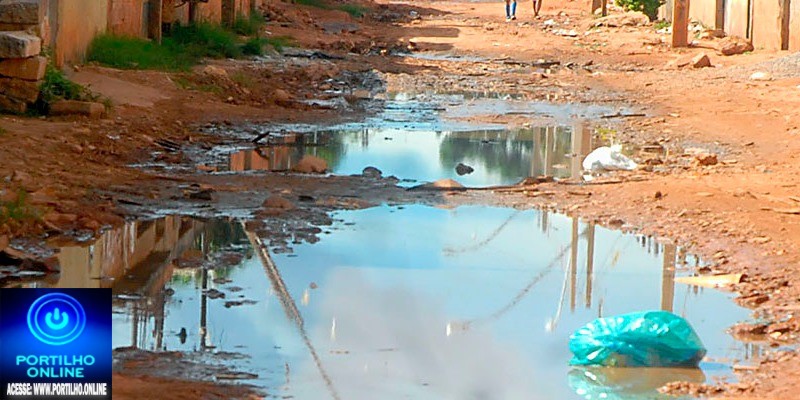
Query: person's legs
[(514, 9), (508, 9)]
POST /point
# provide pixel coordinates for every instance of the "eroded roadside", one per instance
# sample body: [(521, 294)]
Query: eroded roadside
[(727, 212)]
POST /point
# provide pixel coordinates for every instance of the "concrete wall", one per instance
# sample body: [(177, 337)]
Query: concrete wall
[(736, 15), (125, 17), (704, 11), (794, 26), (78, 22), (767, 24)]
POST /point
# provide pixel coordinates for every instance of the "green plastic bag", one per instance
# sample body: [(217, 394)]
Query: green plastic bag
[(642, 339)]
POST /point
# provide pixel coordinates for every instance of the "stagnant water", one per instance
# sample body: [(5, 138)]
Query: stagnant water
[(498, 157), (403, 302)]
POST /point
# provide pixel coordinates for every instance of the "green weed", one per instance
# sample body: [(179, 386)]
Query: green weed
[(206, 40), (3, 131), (18, 210), (248, 26), (661, 24), (243, 80), (354, 10), (133, 53)]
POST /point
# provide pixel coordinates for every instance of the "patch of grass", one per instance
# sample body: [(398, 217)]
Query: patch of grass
[(243, 80), (56, 86), (662, 24), (313, 3), (133, 53), (17, 211), (279, 42), (248, 26), (354, 10), (185, 84), (206, 40), (3, 131)]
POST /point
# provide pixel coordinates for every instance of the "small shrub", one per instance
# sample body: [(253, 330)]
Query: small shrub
[(313, 3), (3, 131), (279, 42), (662, 24), (133, 53), (56, 86), (254, 47), (648, 7), (18, 211), (248, 26), (206, 40)]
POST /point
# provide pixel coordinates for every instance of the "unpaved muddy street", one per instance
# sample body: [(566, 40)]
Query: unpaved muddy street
[(410, 216)]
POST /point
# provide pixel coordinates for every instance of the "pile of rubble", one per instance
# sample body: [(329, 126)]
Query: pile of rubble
[(21, 66)]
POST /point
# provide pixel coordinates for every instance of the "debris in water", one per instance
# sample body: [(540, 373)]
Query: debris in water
[(641, 339), (712, 281), (608, 159), (372, 172), (463, 169)]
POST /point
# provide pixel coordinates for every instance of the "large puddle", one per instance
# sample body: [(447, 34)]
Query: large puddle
[(403, 302), (497, 157)]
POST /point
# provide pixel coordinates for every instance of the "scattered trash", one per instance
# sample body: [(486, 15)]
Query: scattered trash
[(641, 339), (608, 159), (712, 281)]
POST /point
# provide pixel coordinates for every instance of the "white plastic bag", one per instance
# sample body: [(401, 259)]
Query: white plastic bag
[(608, 159)]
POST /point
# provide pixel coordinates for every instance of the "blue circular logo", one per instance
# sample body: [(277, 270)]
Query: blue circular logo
[(56, 319)]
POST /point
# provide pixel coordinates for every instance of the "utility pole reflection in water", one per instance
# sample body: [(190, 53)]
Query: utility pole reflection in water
[(668, 277)]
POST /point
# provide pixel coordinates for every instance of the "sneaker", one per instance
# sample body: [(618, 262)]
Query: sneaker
[(513, 17), (508, 19)]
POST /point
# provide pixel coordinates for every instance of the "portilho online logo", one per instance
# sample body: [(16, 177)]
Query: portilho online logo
[(56, 319)]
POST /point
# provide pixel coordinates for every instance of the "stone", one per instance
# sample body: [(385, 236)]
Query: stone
[(30, 69), (19, 89), (761, 76), (281, 96), (279, 203), (631, 18), (311, 164), (12, 105), (447, 184), (706, 159), (372, 172), (19, 44), (701, 61), (75, 107), (464, 169), (26, 12), (733, 45)]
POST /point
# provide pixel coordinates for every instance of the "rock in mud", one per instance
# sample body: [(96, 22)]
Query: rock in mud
[(214, 71), (706, 159), (760, 76), (447, 184), (463, 169), (281, 97), (631, 18), (372, 172), (701, 61), (733, 45), (277, 202), (74, 107), (311, 165)]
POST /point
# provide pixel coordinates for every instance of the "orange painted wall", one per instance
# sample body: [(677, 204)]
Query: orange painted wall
[(125, 17), (211, 11), (77, 23), (767, 24), (794, 26)]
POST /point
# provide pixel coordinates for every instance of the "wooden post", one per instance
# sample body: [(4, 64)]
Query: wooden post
[(605, 7), (193, 11), (786, 7), (680, 23), (596, 5), (154, 21)]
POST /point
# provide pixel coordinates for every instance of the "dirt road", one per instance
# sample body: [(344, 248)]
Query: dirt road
[(741, 212)]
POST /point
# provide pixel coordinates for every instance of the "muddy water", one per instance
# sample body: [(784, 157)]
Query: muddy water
[(402, 302), (497, 156)]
